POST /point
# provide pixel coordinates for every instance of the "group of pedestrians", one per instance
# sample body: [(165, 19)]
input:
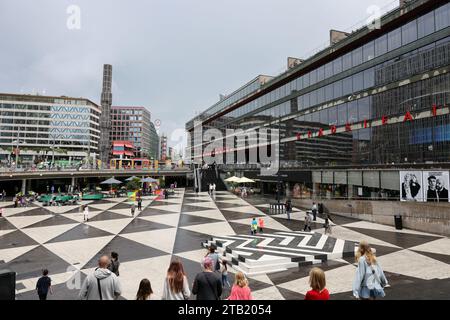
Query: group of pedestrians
[(257, 224), (104, 284)]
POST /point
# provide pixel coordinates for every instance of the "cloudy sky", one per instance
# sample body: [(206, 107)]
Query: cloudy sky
[(173, 56)]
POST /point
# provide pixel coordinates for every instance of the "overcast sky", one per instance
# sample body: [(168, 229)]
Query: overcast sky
[(173, 56)]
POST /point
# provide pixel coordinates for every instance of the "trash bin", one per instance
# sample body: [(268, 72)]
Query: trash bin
[(398, 222)]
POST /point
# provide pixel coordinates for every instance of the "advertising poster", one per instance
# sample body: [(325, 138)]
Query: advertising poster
[(436, 185), (411, 186)]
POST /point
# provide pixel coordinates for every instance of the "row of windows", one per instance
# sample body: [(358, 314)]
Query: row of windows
[(410, 32)]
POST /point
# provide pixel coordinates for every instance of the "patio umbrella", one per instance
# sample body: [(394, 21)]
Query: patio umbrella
[(245, 180), (111, 181), (132, 178), (232, 179)]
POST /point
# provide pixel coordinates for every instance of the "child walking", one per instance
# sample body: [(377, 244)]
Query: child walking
[(254, 226), (261, 224), (224, 271)]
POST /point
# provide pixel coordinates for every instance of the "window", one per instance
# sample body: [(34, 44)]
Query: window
[(342, 114), (306, 80), (357, 57), (347, 87), (409, 32), (332, 116), (324, 116), (328, 70), (337, 65), (313, 77), (425, 24), (358, 82), (313, 97), (316, 117), (329, 92), (364, 108), (369, 78), (442, 17), (394, 39), (347, 61), (352, 112), (321, 95), (320, 73), (369, 51), (337, 89)]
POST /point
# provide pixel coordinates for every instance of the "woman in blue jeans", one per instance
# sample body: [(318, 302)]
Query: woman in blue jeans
[(369, 279)]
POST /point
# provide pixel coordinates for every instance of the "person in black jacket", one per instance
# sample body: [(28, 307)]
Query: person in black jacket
[(207, 284), (115, 263)]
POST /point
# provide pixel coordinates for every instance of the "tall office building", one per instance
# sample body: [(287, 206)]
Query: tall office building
[(105, 119), (163, 147), (154, 142), (132, 123), (43, 128), (356, 116)]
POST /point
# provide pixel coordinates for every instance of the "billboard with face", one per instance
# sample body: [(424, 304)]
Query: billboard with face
[(411, 186), (436, 185)]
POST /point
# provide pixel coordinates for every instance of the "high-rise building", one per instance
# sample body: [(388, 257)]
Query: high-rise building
[(163, 147), (154, 142), (353, 117), (105, 120), (37, 128), (132, 123)]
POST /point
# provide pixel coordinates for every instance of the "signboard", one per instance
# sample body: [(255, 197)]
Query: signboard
[(411, 186), (436, 184)]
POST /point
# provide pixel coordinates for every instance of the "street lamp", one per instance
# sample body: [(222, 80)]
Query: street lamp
[(17, 146)]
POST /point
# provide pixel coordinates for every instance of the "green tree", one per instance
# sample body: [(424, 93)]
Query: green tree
[(134, 184)]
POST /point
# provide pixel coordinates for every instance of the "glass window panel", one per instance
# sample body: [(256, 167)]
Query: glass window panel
[(337, 65), (329, 92), (327, 177), (329, 70), (369, 78), (371, 179), (321, 73), (324, 116), (369, 51), (357, 57), (358, 82), (347, 61), (364, 109), (352, 112), (340, 177), (313, 98), (342, 114), (317, 177), (316, 117), (332, 116), (313, 77), (409, 32), (355, 178), (390, 180), (306, 80), (425, 24), (337, 89), (442, 16), (394, 39), (347, 86), (321, 95)]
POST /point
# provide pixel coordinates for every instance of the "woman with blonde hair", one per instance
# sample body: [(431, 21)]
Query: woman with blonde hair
[(176, 286), (317, 283), (240, 290), (369, 278)]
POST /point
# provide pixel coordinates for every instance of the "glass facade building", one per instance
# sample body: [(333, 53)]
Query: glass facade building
[(35, 125), (357, 112)]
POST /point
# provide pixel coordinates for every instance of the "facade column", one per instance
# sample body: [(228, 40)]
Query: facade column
[(24, 186), (73, 183)]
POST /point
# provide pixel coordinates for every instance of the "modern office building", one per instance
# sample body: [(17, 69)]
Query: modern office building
[(132, 123), (42, 128), (163, 147), (154, 142), (105, 121), (356, 115)]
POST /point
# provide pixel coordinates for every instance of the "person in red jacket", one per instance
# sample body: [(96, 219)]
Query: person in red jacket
[(317, 282)]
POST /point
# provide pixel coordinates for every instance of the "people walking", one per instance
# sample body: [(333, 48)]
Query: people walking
[(145, 291), (224, 272), (240, 290), (369, 281), (4, 195), (86, 213), (314, 211), (114, 264), (288, 206), (133, 209), (102, 284), (176, 286), (212, 254), (44, 285), (140, 204), (308, 219), (254, 226), (214, 189), (317, 282), (261, 224), (327, 224), (53, 189), (210, 189), (207, 285)]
